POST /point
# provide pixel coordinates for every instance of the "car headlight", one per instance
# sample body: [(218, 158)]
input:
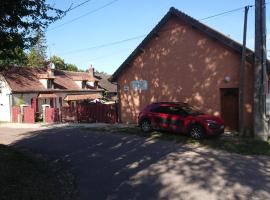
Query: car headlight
[(212, 124)]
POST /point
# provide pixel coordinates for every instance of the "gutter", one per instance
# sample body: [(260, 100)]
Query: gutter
[(55, 91)]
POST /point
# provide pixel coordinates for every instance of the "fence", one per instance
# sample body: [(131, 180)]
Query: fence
[(82, 114), (51, 115), (27, 115), (90, 113)]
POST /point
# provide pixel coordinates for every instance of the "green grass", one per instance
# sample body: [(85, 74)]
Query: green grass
[(235, 144), (26, 177)]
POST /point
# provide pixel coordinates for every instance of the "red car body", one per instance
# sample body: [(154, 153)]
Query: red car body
[(180, 117)]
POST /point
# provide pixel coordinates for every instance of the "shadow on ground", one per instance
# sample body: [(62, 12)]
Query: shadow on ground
[(120, 166)]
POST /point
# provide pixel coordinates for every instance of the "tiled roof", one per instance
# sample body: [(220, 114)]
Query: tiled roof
[(22, 79), (105, 83)]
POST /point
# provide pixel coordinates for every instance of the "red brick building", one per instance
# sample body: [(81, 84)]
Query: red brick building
[(184, 60)]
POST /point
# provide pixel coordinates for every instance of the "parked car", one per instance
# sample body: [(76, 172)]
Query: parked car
[(181, 118)]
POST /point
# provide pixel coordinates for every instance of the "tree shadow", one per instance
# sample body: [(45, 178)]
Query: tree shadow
[(121, 166)]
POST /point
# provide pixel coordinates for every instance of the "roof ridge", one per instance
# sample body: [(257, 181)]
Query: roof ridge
[(223, 39)]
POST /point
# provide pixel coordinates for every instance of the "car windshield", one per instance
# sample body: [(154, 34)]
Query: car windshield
[(192, 110)]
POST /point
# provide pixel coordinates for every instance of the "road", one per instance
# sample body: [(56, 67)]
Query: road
[(121, 166)]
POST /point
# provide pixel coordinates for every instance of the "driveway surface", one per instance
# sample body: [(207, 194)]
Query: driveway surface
[(120, 166)]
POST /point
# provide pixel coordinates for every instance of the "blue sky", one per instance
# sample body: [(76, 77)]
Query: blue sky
[(128, 19)]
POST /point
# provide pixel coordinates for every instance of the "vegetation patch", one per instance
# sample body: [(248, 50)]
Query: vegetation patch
[(234, 143), (24, 176)]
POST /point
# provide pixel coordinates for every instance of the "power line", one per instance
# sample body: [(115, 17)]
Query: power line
[(73, 8), (108, 55), (81, 16), (224, 13), (140, 36), (105, 45)]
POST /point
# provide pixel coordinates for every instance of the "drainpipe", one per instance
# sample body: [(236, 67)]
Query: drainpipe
[(10, 107)]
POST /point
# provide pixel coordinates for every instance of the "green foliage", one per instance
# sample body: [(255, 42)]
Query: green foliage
[(19, 20), (60, 64), (71, 67), (20, 58), (20, 101)]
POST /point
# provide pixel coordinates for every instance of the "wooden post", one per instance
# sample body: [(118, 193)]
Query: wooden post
[(242, 78), (260, 77)]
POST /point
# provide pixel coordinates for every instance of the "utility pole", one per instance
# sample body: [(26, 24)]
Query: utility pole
[(260, 74), (242, 77)]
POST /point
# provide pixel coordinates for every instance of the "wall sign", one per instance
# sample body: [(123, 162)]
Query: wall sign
[(139, 85), (126, 88)]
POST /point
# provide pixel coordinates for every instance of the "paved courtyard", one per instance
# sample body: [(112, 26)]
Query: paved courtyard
[(122, 166)]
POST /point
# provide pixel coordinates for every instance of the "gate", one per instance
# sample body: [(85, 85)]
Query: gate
[(69, 114), (90, 113), (15, 114), (52, 115), (28, 115)]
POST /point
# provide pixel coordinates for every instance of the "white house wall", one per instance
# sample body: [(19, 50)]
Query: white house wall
[(44, 82), (5, 111)]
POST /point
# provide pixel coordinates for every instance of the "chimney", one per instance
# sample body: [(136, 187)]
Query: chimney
[(50, 69), (91, 70)]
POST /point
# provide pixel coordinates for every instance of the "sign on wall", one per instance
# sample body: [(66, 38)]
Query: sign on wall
[(126, 88), (139, 85)]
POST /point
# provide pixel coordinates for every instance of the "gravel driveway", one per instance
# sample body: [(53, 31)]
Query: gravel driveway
[(121, 166)]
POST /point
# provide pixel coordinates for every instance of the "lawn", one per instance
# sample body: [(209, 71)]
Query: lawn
[(26, 177), (236, 144)]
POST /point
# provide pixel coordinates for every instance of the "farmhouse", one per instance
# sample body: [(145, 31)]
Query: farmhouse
[(183, 60), (36, 87)]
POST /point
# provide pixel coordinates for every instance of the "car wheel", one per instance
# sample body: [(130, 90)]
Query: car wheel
[(196, 132), (146, 126)]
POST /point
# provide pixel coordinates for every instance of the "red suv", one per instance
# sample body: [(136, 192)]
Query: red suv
[(179, 117)]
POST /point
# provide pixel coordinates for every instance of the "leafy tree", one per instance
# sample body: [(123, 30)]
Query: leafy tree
[(71, 67), (20, 58), (37, 54), (19, 20), (58, 62)]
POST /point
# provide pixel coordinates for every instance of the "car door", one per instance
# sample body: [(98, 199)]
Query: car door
[(161, 117), (177, 119)]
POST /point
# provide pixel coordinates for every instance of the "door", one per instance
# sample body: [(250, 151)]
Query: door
[(230, 108), (177, 119), (161, 117)]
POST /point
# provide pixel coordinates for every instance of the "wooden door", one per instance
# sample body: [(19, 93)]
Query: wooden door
[(230, 108)]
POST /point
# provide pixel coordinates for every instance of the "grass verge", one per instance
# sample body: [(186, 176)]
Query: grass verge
[(24, 176), (235, 144)]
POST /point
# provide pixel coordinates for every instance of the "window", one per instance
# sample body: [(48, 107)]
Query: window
[(161, 109), (171, 110), (84, 84), (50, 84), (177, 111), (60, 101)]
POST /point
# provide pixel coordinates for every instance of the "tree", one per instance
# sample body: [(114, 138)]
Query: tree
[(19, 20), (58, 62), (20, 58), (71, 67), (37, 54)]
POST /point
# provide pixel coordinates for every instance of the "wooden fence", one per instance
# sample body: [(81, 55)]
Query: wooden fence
[(91, 113)]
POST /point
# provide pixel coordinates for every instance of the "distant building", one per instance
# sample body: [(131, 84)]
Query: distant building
[(110, 89), (38, 86)]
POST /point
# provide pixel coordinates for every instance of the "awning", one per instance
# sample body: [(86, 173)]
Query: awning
[(78, 97), (47, 96)]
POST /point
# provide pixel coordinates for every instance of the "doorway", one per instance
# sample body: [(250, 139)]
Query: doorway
[(230, 108)]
